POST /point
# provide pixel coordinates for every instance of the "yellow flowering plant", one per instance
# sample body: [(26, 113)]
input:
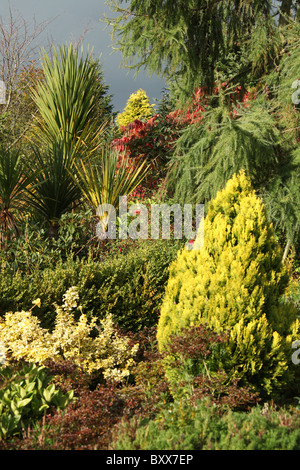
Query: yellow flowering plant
[(71, 339)]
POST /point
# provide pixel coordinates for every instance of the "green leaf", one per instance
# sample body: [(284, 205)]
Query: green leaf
[(8, 424), (49, 392)]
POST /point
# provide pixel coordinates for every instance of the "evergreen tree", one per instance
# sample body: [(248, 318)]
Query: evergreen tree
[(234, 283), (104, 110), (281, 90), (183, 41), (261, 136), (209, 152), (253, 45)]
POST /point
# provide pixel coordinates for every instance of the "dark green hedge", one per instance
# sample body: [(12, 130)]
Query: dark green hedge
[(129, 286)]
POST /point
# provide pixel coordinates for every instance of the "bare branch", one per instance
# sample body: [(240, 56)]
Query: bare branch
[(17, 47)]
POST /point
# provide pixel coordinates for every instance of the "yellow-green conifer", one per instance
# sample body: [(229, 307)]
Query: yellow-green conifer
[(235, 282), (138, 107)]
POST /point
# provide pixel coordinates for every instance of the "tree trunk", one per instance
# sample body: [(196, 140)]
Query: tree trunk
[(53, 230)]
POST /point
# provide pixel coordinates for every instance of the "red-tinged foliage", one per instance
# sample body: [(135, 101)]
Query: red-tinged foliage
[(90, 422), (197, 344), (222, 393), (154, 140), (148, 140)]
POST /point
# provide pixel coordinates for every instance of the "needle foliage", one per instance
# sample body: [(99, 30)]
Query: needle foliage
[(234, 283)]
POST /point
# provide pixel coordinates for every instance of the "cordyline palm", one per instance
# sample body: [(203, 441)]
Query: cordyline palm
[(66, 99), (54, 191), (14, 181), (103, 181)]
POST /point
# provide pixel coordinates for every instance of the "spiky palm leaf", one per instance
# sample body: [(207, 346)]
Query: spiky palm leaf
[(14, 181), (104, 181), (66, 99)]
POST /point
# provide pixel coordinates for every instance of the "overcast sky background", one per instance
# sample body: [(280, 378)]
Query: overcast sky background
[(70, 18)]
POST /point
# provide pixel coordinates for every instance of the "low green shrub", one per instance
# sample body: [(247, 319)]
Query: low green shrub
[(194, 356), (129, 286), (258, 430), (183, 426), (33, 250), (25, 394)]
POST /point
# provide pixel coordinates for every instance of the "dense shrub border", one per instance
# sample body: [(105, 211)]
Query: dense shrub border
[(141, 415), (130, 286)]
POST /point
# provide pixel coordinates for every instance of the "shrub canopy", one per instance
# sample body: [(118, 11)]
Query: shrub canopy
[(235, 282)]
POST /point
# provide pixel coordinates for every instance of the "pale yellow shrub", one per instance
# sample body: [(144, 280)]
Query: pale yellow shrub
[(107, 352)]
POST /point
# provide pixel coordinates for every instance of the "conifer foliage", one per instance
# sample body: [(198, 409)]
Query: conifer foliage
[(181, 40), (234, 283), (137, 107)]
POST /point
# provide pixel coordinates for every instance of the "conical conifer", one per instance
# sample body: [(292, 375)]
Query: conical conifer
[(235, 283)]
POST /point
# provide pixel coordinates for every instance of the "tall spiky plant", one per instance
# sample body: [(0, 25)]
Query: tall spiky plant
[(104, 180), (14, 181), (54, 191), (66, 99)]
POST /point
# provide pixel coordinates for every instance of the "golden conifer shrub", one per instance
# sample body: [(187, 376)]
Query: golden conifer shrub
[(234, 283), (138, 107)]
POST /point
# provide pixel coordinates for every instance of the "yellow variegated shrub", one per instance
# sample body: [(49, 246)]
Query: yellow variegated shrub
[(71, 339), (235, 282)]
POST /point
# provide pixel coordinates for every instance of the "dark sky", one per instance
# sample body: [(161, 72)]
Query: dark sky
[(70, 18)]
